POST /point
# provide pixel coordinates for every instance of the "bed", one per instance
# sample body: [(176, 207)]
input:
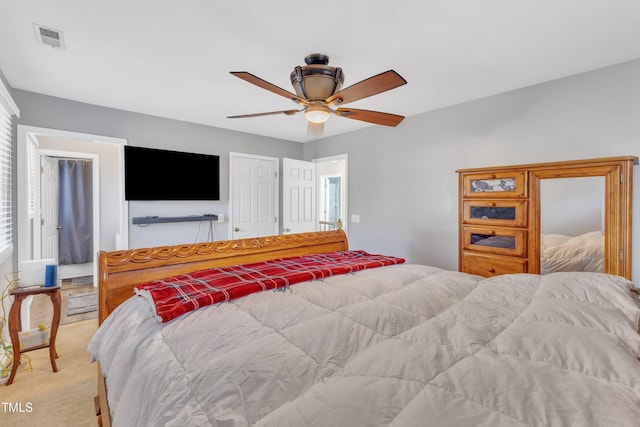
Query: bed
[(396, 345)]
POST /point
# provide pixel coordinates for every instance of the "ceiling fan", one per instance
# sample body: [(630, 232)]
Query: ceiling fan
[(317, 86)]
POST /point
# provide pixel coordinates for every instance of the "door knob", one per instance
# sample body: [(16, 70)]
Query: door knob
[(236, 229)]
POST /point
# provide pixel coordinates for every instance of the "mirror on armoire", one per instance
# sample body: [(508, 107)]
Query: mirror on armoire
[(572, 224), (581, 216)]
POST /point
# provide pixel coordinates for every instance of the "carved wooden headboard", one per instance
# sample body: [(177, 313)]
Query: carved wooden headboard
[(120, 271)]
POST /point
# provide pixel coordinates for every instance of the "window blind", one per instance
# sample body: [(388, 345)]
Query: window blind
[(6, 173), (33, 176)]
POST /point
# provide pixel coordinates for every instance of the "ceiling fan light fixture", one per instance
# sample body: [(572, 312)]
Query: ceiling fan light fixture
[(317, 113)]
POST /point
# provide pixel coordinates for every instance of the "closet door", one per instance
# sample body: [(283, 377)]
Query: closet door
[(253, 196)]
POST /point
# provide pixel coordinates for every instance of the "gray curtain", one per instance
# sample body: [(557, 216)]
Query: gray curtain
[(75, 212)]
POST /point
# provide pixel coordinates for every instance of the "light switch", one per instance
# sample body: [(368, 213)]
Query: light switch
[(355, 218)]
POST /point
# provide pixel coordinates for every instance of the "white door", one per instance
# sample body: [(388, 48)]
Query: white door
[(49, 207), (298, 196), (253, 195)]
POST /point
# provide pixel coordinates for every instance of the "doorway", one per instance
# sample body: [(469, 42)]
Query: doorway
[(69, 207), (332, 192), (314, 194), (253, 195), (107, 155)]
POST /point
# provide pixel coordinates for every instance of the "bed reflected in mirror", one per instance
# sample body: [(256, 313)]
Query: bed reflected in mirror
[(572, 224)]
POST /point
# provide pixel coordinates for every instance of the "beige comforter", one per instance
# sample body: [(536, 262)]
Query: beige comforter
[(404, 345)]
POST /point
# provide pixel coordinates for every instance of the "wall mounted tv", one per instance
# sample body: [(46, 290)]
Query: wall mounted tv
[(152, 174)]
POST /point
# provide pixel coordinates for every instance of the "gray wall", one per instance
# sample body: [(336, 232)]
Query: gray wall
[(402, 181), (149, 131)]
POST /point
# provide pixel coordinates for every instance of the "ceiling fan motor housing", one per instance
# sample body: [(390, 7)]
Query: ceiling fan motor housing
[(317, 80)]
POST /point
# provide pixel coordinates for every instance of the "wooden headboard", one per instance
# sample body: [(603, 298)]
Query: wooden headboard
[(120, 271)]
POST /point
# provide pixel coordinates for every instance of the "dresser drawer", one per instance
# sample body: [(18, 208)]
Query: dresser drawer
[(492, 265), (506, 213), (496, 184), (495, 240)]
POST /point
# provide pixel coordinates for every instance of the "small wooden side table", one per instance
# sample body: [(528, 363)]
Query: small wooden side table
[(15, 325)]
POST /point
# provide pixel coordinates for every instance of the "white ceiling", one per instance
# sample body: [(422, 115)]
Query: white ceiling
[(172, 58)]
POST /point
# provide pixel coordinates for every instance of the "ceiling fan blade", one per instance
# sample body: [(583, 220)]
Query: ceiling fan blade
[(385, 119), (270, 113), (315, 130), (371, 86), (269, 86)]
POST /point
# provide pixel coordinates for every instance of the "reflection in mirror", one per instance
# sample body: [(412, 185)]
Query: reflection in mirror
[(572, 213), (508, 242)]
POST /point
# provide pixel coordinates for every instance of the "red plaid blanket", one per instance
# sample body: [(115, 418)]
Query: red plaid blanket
[(181, 294)]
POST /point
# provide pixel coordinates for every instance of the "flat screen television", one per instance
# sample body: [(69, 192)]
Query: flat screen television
[(152, 174)]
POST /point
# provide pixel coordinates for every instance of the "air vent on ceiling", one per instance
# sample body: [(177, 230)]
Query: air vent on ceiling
[(49, 36)]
